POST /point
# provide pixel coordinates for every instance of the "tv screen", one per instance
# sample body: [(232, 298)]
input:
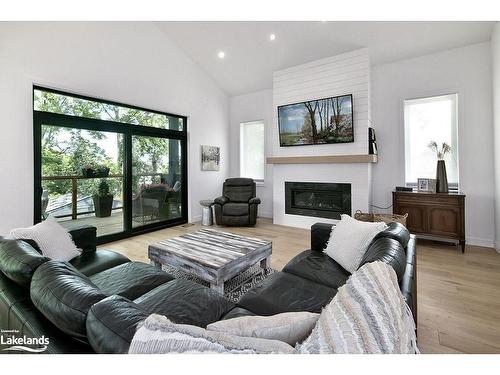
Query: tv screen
[(319, 121)]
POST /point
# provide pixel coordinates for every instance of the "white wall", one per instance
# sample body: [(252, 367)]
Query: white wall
[(495, 49), (132, 63), (466, 71), (249, 107), (348, 73)]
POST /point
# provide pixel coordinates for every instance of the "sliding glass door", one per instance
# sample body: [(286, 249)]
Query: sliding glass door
[(68, 193), (156, 180), (119, 168)]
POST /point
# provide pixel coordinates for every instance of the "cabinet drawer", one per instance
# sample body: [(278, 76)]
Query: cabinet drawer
[(429, 200)]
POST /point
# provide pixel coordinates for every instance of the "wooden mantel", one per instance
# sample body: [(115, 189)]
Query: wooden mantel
[(325, 159)]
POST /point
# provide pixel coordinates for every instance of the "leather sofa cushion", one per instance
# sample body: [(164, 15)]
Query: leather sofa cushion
[(18, 313), (396, 231), (235, 209), (111, 324), (130, 280), (284, 292), (185, 302), (84, 237), (19, 260), (64, 296), (320, 235), (317, 267), (411, 250), (388, 251), (92, 262)]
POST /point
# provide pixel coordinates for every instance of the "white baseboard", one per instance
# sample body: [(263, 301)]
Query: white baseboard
[(497, 246), (267, 215), (195, 219), (476, 241)]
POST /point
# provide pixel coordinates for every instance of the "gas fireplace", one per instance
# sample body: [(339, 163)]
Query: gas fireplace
[(328, 200)]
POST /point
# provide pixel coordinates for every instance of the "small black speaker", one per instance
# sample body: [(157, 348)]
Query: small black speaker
[(403, 188)]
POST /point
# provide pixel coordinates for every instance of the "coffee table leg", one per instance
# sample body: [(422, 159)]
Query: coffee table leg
[(264, 263), (157, 264), (219, 288)]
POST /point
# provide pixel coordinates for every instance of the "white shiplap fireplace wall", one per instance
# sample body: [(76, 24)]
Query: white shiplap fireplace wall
[(344, 74)]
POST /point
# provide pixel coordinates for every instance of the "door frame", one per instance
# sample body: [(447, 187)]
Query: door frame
[(128, 130)]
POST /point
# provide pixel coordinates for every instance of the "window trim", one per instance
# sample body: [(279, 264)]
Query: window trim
[(104, 101), (455, 186), (259, 181), (128, 130)]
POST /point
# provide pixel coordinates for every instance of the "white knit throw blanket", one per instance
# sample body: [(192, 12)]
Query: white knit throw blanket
[(368, 315)]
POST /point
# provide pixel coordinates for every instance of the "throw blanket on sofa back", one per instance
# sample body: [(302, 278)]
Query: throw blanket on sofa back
[(368, 315)]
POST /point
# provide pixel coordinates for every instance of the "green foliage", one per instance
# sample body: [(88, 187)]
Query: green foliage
[(103, 189), (66, 151)]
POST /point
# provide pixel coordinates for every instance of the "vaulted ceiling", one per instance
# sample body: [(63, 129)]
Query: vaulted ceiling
[(251, 57)]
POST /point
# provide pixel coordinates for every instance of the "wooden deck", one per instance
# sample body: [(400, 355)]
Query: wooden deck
[(104, 225)]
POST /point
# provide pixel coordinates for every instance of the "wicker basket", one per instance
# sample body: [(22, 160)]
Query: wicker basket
[(386, 218)]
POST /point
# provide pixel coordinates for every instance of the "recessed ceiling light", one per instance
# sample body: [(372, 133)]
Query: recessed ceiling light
[(221, 54), (272, 37)]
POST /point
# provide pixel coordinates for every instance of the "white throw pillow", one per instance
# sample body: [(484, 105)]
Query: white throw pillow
[(157, 335), (350, 239), (291, 327), (53, 240)]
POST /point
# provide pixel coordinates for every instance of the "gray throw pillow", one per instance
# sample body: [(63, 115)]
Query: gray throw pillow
[(290, 327), (158, 335)]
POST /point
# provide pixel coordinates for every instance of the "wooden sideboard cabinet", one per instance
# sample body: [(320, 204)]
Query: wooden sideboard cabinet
[(440, 215)]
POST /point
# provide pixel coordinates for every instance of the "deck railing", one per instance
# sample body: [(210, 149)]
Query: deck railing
[(74, 188)]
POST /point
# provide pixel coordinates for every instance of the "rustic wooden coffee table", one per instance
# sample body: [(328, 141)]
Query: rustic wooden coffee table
[(212, 255)]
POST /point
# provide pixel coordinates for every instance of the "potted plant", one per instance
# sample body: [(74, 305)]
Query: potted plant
[(441, 177), (103, 200)]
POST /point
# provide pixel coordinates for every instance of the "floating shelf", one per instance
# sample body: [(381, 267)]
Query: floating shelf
[(322, 159)]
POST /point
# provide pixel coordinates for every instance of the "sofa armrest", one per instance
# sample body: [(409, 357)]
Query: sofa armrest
[(320, 234), (221, 200), (254, 200), (85, 238), (111, 324)]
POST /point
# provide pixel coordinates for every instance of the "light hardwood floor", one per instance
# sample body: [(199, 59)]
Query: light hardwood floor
[(458, 294)]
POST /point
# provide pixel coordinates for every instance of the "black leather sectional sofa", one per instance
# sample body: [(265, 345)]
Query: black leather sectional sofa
[(94, 303)]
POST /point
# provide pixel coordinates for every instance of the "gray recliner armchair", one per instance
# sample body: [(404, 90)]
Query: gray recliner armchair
[(238, 204)]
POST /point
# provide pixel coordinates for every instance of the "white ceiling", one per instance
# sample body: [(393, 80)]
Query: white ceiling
[(251, 58)]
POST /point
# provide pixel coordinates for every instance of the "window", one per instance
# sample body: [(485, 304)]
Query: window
[(430, 119), (117, 167), (252, 150)]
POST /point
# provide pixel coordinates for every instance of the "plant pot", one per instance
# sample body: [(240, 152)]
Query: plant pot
[(441, 178), (103, 205), (102, 172), (89, 173)]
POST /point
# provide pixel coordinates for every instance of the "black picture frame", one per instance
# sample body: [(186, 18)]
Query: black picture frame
[(312, 105)]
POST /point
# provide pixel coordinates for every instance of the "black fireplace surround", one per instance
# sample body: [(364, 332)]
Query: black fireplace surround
[(327, 200)]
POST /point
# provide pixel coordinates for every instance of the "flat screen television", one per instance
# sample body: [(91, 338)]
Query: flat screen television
[(321, 121)]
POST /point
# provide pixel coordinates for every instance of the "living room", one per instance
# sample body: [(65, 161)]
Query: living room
[(286, 186)]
